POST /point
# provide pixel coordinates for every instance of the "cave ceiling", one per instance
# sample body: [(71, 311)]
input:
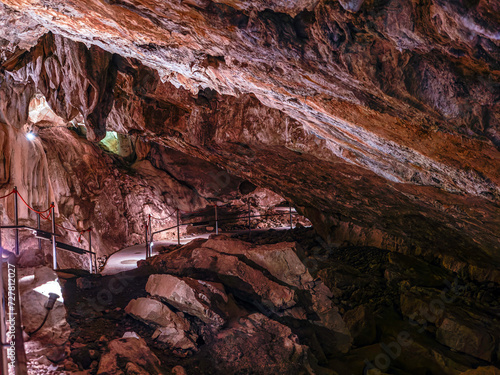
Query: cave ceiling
[(380, 120)]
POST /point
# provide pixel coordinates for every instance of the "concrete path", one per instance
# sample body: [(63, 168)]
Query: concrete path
[(126, 259)]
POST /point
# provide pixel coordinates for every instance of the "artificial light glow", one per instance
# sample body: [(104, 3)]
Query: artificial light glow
[(50, 287), (30, 136)]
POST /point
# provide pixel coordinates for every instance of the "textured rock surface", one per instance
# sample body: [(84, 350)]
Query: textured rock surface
[(259, 345), (270, 277), (388, 112), (170, 327), (202, 299), (129, 354), (378, 120), (229, 269)]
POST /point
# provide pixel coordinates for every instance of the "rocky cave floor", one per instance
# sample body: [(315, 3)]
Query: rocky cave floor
[(255, 315)]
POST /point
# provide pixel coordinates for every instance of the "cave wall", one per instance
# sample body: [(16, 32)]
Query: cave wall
[(378, 119), (94, 188)]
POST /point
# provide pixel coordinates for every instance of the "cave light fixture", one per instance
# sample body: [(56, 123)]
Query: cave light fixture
[(30, 136)]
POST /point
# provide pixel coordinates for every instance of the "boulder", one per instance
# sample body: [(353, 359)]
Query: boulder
[(34, 296), (202, 299), (125, 351), (280, 260), (361, 324), (270, 276), (232, 271), (474, 331), (467, 335), (175, 338), (256, 344), (170, 327)]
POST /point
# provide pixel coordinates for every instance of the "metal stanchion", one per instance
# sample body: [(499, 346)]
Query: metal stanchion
[(90, 254), (150, 250), (16, 218), (39, 226), (3, 328), (249, 214), (54, 247), (216, 221), (21, 367), (93, 253), (147, 239), (178, 229)]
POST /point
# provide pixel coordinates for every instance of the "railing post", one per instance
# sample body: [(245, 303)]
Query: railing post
[(178, 229), (249, 225), (291, 222), (16, 218), (216, 221), (150, 250), (39, 226), (91, 255), (3, 328), (19, 341), (147, 239), (54, 247)]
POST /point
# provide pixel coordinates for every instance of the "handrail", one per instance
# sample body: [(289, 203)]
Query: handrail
[(46, 215), (216, 220), (49, 215)]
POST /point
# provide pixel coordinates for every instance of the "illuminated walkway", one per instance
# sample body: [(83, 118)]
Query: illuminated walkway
[(126, 259)]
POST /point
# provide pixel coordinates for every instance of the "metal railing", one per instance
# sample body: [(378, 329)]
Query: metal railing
[(49, 214), (234, 217)]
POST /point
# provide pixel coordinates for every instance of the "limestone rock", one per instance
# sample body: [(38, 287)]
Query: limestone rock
[(231, 271), (155, 313), (468, 336), (56, 329), (259, 273), (125, 351), (361, 324), (258, 344), (202, 299), (171, 328)]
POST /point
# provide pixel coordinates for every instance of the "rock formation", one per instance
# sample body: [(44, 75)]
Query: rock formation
[(379, 121)]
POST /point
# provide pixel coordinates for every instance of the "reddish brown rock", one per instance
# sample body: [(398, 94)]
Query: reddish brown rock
[(171, 328), (261, 345), (202, 299), (386, 103), (230, 270), (129, 354)]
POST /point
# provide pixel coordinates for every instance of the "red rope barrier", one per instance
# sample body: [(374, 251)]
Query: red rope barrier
[(165, 218), (47, 217), (5, 196), (31, 208)]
